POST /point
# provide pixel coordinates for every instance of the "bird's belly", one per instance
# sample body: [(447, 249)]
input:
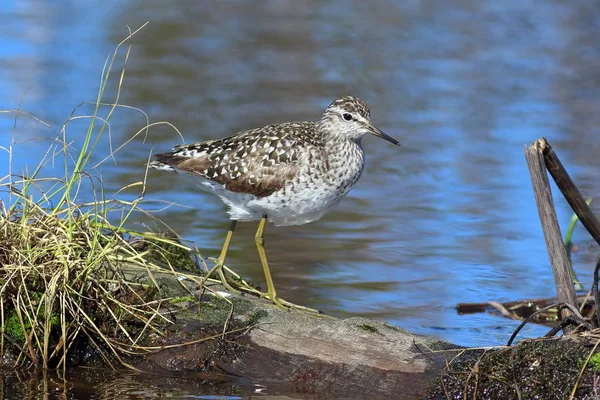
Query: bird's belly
[(300, 203), (293, 210), (281, 208)]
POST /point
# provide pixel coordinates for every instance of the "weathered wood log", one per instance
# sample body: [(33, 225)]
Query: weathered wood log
[(305, 352), (522, 309), (569, 190), (552, 236), (341, 356), (292, 350), (325, 357)]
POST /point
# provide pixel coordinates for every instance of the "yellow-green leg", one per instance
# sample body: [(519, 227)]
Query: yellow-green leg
[(220, 265), (271, 293), (221, 260)]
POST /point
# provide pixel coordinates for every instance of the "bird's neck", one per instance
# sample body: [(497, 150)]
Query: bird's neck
[(332, 137)]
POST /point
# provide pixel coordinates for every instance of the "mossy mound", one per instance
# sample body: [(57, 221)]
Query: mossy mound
[(548, 368)]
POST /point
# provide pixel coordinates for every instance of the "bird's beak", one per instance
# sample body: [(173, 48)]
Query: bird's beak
[(375, 131)]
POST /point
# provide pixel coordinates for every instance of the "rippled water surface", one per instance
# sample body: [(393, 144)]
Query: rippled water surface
[(448, 217)]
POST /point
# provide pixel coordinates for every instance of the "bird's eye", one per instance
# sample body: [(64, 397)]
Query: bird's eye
[(347, 117)]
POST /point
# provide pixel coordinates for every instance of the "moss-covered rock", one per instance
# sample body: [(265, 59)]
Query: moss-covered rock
[(547, 369)]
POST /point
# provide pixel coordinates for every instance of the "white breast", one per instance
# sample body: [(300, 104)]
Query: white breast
[(319, 185)]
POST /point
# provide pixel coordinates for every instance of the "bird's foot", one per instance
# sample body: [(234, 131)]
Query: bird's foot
[(286, 305), (235, 283)]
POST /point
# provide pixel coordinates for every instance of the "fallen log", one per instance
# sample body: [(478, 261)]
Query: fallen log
[(294, 350), (523, 309), (326, 357)]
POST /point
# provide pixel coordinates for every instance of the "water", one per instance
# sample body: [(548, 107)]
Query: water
[(448, 217), (91, 383)]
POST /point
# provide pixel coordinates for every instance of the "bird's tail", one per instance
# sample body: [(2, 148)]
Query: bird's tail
[(164, 162)]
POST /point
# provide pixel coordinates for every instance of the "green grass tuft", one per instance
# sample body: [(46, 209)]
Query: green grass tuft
[(60, 279)]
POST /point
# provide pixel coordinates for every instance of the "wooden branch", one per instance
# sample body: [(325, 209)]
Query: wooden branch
[(554, 242), (570, 191)]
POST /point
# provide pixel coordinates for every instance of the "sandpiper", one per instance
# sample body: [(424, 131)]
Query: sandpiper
[(288, 174)]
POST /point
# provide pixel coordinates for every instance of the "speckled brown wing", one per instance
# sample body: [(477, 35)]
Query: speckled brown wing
[(257, 162)]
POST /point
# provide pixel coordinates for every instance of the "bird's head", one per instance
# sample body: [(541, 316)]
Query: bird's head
[(350, 117)]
